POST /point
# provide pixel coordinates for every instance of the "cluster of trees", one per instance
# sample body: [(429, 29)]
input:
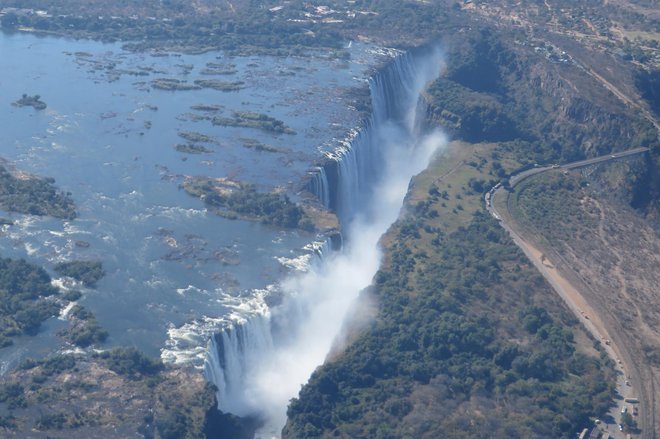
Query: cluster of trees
[(463, 330), (648, 83), (246, 29), (551, 202), (28, 299), (87, 272), (34, 196), (24, 289), (84, 329), (131, 363), (490, 92), (246, 202), (250, 119), (31, 101)]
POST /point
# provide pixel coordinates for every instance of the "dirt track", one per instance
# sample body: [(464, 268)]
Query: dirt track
[(588, 306)]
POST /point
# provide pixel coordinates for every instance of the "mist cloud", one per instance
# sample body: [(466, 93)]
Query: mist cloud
[(317, 302)]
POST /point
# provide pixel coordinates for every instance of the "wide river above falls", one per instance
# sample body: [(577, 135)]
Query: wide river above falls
[(108, 136)]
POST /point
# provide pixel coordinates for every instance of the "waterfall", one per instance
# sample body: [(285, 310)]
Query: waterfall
[(260, 363), (346, 180), (230, 353)]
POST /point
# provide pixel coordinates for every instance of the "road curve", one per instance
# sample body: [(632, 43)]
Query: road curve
[(570, 294)]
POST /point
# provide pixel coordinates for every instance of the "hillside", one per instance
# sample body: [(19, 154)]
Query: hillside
[(466, 329), (455, 294)]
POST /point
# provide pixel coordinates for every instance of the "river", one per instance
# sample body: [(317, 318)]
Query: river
[(175, 271)]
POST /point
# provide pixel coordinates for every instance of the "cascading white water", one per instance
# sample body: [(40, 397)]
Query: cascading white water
[(345, 183), (230, 354), (259, 366)]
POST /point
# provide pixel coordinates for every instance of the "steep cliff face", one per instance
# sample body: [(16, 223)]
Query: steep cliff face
[(346, 180), (545, 104), (523, 95), (364, 182)]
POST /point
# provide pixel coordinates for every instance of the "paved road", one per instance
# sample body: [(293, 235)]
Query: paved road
[(575, 301)]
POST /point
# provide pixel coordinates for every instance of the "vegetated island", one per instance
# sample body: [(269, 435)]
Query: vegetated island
[(24, 193), (84, 330), (249, 119), (192, 136), (87, 272), (92, 393), (212, 108), (30, 101), (172, 84), (219, 85), (233, 199), (192, 148), (28, 299), (259, 146), (219, 69)]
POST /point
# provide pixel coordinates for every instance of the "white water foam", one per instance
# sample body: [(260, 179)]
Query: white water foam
[(261, 361)]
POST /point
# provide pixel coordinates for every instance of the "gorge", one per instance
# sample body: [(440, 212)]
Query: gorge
[(259, 363)]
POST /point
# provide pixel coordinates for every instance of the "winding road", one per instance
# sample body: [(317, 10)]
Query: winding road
[(628, 382)]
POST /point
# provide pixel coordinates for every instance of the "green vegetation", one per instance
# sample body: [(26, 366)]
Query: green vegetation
[(258, 146), (207, 107), (34, 196), (25, 290), (85, 329), (219, 69), (30, 101), (87, 334), (70, 396), (87, 272), (172, 84), (52, 365), (648, 83), (239, 200), (72, 296), (12, 394), (131, 363), (191, 148), (246, 28), (220, 85), (481, 98), (551, 202), (192, 136), (249, 119), (464, 329)]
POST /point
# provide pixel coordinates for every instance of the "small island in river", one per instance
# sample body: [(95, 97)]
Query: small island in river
[(30, 101)]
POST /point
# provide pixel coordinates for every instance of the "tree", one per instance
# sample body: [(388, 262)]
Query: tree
[(628, 422)]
